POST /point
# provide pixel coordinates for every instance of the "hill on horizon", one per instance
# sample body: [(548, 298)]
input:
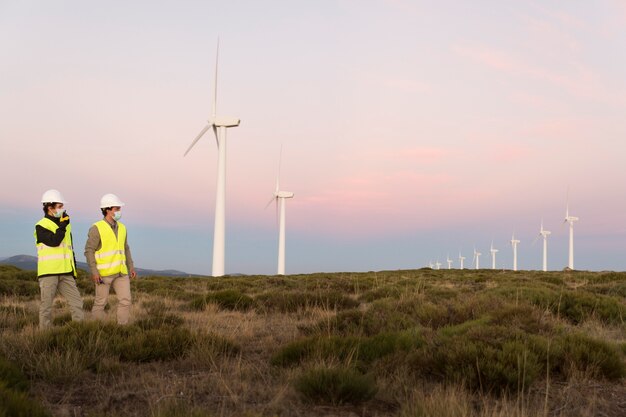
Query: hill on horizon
[(29, 263)]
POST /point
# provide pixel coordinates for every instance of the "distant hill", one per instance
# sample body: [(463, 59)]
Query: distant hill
[(29, 262)]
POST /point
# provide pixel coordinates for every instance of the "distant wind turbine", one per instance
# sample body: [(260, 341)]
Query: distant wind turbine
[(449, 261), (476, 260), (461, 259), (514, 243), (438, 264), (544, 233), (219, 126), (570, 219), (493, 256), (279, 197)]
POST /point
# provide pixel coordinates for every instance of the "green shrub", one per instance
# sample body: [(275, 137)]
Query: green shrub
[(482, 357), (158, 321), (11, 376), (155, 345), (17, 404), (359, 350), (292, 301), (335, 386), (597, 358), (227, 300), (62, 319)]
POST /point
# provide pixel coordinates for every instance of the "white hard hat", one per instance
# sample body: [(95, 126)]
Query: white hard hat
[(52, 196), (110, 200)]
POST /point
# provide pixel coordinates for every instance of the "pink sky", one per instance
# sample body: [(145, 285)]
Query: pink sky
[(395, 117)]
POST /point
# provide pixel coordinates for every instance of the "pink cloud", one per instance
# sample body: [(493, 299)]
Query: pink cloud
[(578, 81)]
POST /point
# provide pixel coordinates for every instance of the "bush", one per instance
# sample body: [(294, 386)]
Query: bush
[(598, 359), (17, 404), (335, 386), (361, 351), (62, 353), (293, 301), (227, 300), (62, 319), (11, 377), (158, 321)]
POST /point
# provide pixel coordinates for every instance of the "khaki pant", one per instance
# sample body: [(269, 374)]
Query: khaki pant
[(66, 286), (121, 286)]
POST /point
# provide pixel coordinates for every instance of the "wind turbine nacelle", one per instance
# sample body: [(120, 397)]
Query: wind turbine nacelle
[(225, 122), (284, 194)]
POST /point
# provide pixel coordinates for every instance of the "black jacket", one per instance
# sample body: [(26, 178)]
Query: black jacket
[(48, 238)]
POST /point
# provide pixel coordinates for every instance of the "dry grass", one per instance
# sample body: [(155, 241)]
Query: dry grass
[(362, 334)]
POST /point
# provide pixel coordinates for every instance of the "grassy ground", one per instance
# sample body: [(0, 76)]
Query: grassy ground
[(401, 343)]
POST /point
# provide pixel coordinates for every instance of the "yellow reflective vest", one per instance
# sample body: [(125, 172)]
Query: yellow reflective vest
[(111, 258), (55, 260)]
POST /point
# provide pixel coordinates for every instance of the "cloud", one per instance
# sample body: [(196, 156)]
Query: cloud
[(576, 80)]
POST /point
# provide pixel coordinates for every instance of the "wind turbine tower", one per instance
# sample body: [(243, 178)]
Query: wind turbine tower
[(461, 259), (449, 261), (544, 233), (438, 264), (514, 243), (493, 256), (570, 219), (280, 197), (219, 125)]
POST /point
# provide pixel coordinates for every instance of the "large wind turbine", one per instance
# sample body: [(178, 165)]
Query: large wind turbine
[(493, 256), (280, 197), (544, 233), (449, 261), (437, 264), (570, 219), (514, 243), (219, 126), (461, 259)]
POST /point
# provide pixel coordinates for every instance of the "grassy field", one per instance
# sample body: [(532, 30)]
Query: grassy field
[(396, 343)]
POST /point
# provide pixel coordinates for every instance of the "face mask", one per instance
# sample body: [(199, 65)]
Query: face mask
[(117, 215), (59, 213)]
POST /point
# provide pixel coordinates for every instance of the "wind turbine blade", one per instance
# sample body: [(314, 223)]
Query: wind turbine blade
[(202, 132), (217, 54), (269, 202), (280, 162)]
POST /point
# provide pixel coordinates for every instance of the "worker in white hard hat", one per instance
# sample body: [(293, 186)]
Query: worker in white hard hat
[(109, 259), (56, 263)]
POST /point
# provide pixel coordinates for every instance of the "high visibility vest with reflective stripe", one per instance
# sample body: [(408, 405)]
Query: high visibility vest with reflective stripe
[(111, 258), (53, 260)]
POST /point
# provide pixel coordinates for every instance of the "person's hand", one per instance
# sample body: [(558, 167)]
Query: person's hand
[(133, 274), (96, 278), (65, 219)]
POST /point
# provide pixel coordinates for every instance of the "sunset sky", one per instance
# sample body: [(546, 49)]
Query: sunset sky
[(410, 129)]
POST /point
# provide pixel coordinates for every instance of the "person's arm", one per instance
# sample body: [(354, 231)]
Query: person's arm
[(91, 246), (129, 259), (52, 239)]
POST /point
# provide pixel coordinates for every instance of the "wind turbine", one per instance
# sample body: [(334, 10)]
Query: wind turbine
[(449, 261), (280, 197), (219, 126), (570, 219), (476, 260), (493, 256), (430, 265), (514, 243), (438, 264), (461, 259), (544, 233)]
